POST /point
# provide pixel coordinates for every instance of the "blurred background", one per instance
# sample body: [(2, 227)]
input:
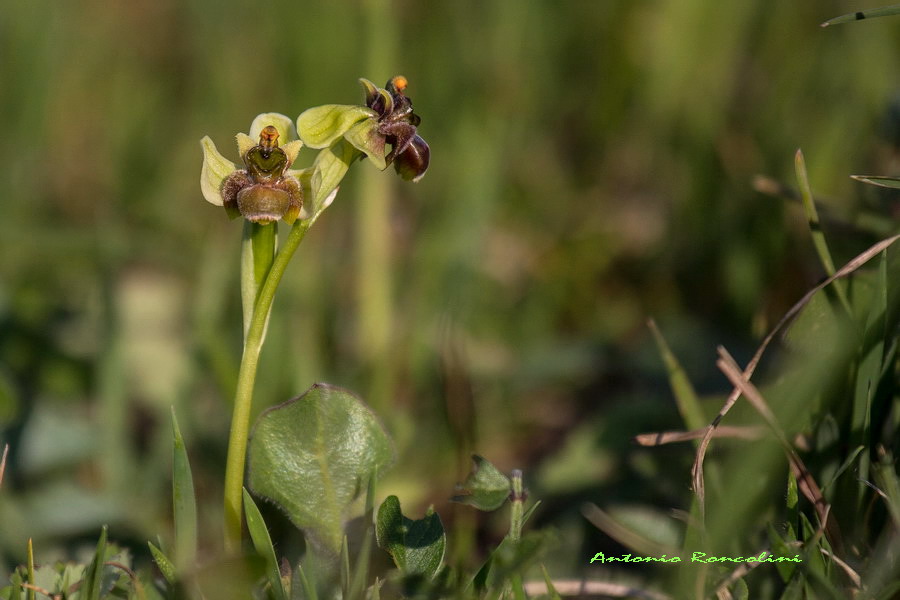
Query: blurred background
[(595, 163)]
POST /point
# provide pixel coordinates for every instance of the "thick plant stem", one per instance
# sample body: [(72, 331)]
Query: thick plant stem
[(243, 398)]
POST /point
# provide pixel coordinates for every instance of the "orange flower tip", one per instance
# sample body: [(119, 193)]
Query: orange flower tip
[(400, 83)]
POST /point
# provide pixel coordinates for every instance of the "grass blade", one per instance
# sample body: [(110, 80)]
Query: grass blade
[(259, 534), (685, 395), (94, 572), (551, 589), (183, 502), (879, 180), (309, 590), (884, 11), (815, 228), (3, 462)]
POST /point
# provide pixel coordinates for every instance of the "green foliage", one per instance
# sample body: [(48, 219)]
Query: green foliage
[(885, 11), (108, 575), (486, 488), (262, 542), (516, 278), (314, 455), (417, 547), (184, 504)]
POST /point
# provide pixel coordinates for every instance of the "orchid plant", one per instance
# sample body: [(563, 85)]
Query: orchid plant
[(268, 189)]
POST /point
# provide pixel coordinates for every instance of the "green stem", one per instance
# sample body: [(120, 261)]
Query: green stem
[(517, 506), (243, 397), (517, 514)]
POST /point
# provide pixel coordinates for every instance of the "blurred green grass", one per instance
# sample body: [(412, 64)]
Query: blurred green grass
[(592, 166)]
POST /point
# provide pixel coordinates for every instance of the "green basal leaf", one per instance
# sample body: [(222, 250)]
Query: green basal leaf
[(486, 488), (313, 457), (879, 180), (364, 137), (184, 502), (417, 547), (321, 126), (262, 542), (884, 11), (215, 169), (285, 126)]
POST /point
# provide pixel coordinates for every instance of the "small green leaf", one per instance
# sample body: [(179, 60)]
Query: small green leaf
[(417, 547), (215, 169), (879, 180), (93, 576), (313, 456), (486, 488), (884, 11), (364, 137), (262, 542), (165, 565), (321, 126), (184, 502)]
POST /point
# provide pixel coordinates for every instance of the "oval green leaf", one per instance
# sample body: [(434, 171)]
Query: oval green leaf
[(314, 455)]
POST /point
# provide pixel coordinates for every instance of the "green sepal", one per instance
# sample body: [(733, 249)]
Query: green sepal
[(328, 170), (486, 488), (417, 547), (370, 88), (364, 136), (215, 169), (320, 126)]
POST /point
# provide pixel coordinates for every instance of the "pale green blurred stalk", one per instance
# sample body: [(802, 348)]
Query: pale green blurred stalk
[(373, 239)]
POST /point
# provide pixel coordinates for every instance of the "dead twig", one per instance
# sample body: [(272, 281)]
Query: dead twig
[(847, 269), (725, 431), (806, 483), (583, 588)]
